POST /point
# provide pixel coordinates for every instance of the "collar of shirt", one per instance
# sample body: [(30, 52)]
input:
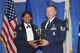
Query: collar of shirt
[(51, 19), (27, 25)]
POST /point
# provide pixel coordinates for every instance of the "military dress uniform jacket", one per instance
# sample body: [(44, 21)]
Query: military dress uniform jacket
[(55, 34), (21, 39)]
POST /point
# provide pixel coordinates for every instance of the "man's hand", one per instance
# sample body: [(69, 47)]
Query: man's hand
[(44, 42), (33, 44)]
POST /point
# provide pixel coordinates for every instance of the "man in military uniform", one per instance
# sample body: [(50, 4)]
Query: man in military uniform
[(54, 32)]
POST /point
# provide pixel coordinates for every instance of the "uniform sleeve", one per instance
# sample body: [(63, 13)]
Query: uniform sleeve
[(18, 40)]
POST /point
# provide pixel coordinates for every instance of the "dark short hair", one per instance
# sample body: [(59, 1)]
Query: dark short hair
[(51, 6), (24, 13)]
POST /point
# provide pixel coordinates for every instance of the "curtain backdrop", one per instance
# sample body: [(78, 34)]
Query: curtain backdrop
[(39, 16)]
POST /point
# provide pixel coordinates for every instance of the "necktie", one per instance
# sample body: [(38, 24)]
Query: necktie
[(48, 24)]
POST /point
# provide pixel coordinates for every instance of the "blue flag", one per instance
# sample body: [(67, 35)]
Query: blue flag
[(60, 9), (75, 16), (37, 8)]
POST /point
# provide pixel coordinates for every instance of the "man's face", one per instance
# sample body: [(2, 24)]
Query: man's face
[(50, 12), (27, 18)]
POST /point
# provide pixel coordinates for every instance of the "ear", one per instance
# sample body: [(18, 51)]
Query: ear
[(55, 12)]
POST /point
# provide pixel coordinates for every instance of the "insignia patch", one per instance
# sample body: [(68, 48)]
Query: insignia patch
[(53, 25), (15, 34), (62, 28), (54, 28), (54, 33)]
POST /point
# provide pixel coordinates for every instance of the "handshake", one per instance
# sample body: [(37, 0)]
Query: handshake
[(38, 43)]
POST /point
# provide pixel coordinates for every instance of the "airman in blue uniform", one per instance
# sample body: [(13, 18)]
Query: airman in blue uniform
[(54, 32)]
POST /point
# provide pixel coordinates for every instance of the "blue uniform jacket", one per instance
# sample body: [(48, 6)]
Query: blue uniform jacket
[(21, 39), (55, 34)]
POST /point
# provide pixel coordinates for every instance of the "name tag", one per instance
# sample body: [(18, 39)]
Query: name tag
[(54, 28), (54, 33)]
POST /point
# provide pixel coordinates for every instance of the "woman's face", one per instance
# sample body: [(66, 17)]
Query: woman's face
[(27, 18)]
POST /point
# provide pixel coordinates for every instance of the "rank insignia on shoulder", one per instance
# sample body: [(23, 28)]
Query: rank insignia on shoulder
[(62, 28)]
